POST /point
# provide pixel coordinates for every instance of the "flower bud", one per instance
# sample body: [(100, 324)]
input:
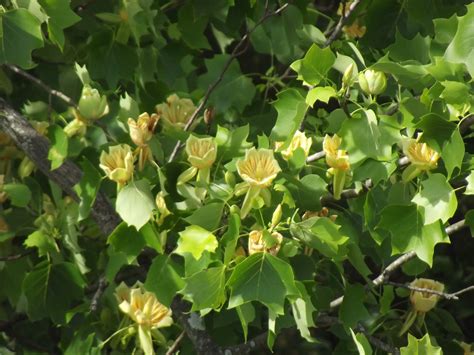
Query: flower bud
[(348, 77), (229, 178), (92, 105), (276, 217), (142, 129), (372, 82), (118, 163), (209, 115), (423, 302), (26, 167), (161, 205)]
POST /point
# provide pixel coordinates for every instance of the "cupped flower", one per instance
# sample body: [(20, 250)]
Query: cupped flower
[(372, 82), (420, 154), (299, 140), (141, 130), (118, 163), (259, 167), (423, 302), (176, 111), (257, 243), (202, 152), (92, 105), (336, 158), (143, 308)]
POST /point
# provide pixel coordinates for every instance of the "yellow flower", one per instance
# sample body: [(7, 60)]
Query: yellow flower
[(423, 302), (299, 140), (92, 105), (118, 163), (201, 152), (354, 30), (143, 307), (162, 208), (142, 129), (336, 158), (420, 154), (257, 243), (259, 167), (176, 111), (467, 348)]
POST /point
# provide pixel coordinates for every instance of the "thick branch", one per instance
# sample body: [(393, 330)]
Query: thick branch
[(238, 50)]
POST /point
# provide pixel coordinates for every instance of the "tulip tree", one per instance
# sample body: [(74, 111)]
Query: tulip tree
[(228, 177)]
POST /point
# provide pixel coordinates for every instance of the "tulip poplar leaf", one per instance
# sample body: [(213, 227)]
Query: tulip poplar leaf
[(314, 66), (437, 199), (135, 203), (264, 278), (470, 184), (421, 346), (195, 240)]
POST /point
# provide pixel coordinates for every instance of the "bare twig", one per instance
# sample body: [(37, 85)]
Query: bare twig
[(448, 296), (52, 92), (342, 21), (376, 341), (16, 256), (315, 156), (238, 50), (397, 263), (174, 347)]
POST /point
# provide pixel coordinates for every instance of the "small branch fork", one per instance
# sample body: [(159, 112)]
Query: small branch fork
[(239, 49), (342, 21)]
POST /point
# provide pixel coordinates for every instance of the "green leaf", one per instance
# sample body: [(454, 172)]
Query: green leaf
[(470, 184), (208, 216), (19, 194), (436, 130), (361, 137), (321, 234), (50, 290), (421, 346), (87, 188), (416, 48), (322, 94), (20, 34), (303, 311), (455, 93), (135, 203), (205, 289), (59, 146), (264, 278), (312, 69), (192, 27), (246, 313), (232, 143), (224, 95), (405, 225), (164, 279), (291, 108), (362, 344), (44, 242), (307, 191), (453, 152), (195, 240), (352, 308), (127, 240), (461, 49), (60, 16), (437, 199), (230, 237)]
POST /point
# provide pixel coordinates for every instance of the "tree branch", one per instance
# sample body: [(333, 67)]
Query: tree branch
[(16, 256), (342, 21), (448, 296), (52, 92), (238, 50), (174, 347)]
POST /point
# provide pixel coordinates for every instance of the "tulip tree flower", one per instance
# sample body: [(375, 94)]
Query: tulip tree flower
[(91, 107), (118, 163), (372, 82), (422, 302), (338, 161), (299, 140), (145, 311), (421, 156), (202, 153), (141, 131), (258, 243), (258, 170), (175, 111)]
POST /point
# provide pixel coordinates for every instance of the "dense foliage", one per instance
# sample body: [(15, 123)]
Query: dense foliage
[(255, 174)]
